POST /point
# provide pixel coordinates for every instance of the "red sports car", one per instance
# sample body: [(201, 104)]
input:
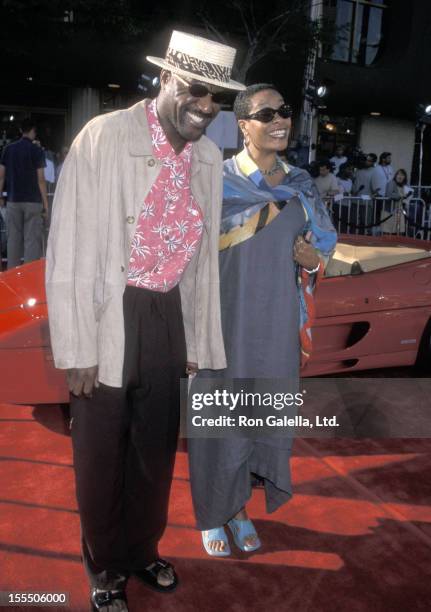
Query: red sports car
[(373, 311)]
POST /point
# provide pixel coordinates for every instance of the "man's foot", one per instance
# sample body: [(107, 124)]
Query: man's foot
[(108, 601), (243, 531), (215, 542), (159, 575)]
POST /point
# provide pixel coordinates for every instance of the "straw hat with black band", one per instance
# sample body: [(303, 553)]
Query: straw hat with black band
[(194, 57)]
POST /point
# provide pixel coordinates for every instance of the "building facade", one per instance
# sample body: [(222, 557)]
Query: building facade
[(377, 72)]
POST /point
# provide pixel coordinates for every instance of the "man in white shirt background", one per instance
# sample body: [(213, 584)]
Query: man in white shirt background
[(382, 174), (338, 159)]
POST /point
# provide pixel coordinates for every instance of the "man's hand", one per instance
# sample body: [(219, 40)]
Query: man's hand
[(82, 381), (191, 368), (305, 254)]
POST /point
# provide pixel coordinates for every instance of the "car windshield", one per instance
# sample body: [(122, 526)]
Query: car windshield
[(367, 257)]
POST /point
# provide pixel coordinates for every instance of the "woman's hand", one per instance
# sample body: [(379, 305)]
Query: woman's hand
[(305, 254)]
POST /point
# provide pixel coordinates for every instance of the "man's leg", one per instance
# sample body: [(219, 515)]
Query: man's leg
[(15, 237), (154, 405), (33, 231), (99, 436)]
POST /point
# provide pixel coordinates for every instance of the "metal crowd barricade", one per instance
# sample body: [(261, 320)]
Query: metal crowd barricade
[(419, 192), (418, 214), (368, 216), (357, 214)]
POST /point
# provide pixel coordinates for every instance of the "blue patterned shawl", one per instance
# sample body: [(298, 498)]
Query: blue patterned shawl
[(245, 192)]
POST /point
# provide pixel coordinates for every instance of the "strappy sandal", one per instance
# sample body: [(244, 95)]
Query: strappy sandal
[(218, 533), (102, 599), (241, 530), (149, 576)]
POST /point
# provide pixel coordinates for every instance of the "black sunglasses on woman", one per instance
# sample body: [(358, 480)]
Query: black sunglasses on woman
[(266, 115)]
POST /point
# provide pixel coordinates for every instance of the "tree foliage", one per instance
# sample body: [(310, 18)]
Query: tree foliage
[(277, 29)]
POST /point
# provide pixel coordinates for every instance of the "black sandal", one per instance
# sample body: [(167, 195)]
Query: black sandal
[(101, 599), (149, 576)]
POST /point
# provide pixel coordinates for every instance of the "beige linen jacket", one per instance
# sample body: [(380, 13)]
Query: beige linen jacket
[(103, 183)]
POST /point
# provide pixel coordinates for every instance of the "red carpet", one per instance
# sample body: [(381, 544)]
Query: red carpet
[(356, 537)]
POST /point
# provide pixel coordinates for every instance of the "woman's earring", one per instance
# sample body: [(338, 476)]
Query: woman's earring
[(246, 139)]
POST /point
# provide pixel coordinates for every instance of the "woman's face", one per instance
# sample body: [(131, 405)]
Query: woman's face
[(399, 178), (266, 137)]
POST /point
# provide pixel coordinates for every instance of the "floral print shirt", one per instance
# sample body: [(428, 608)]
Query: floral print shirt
[(170, 225)]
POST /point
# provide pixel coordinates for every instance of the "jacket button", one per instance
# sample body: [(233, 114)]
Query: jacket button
[(130, 219), (151, 162)]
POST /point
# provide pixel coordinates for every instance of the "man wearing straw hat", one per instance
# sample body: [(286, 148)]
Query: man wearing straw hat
[(132, 286)]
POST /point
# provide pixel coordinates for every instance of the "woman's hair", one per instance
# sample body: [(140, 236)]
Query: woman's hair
[(404, 173), (242, 104)]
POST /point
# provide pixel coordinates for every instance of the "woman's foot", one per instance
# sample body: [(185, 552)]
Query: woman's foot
[(215, 542), (243, 531)]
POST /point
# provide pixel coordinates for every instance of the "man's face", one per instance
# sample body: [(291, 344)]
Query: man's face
[(369, 162), (188, 115), (386, 160), (324, 170), (339, 151)]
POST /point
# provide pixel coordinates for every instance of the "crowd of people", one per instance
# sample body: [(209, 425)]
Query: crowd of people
[(357, 176), (370, 193)]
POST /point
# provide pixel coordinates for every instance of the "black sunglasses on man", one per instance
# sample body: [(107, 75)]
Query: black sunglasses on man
[(200, 90)]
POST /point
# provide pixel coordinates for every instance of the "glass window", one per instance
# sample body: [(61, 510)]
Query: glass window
[(358, 29)]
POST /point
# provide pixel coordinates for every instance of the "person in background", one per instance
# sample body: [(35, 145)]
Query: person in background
[(338, 159), (400, 193), (22, 167), (326, 183), (362, 185), (50, 170), (382, 174), (343, 208), (50, 174), (345, 178)]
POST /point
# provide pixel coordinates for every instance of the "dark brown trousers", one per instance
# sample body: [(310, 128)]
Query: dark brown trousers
[(124, 441)]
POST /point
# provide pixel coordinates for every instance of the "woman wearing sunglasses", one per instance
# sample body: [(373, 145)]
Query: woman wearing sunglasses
[(275, 238)]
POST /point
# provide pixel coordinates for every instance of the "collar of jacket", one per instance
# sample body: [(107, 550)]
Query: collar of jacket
[(140, 138)]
